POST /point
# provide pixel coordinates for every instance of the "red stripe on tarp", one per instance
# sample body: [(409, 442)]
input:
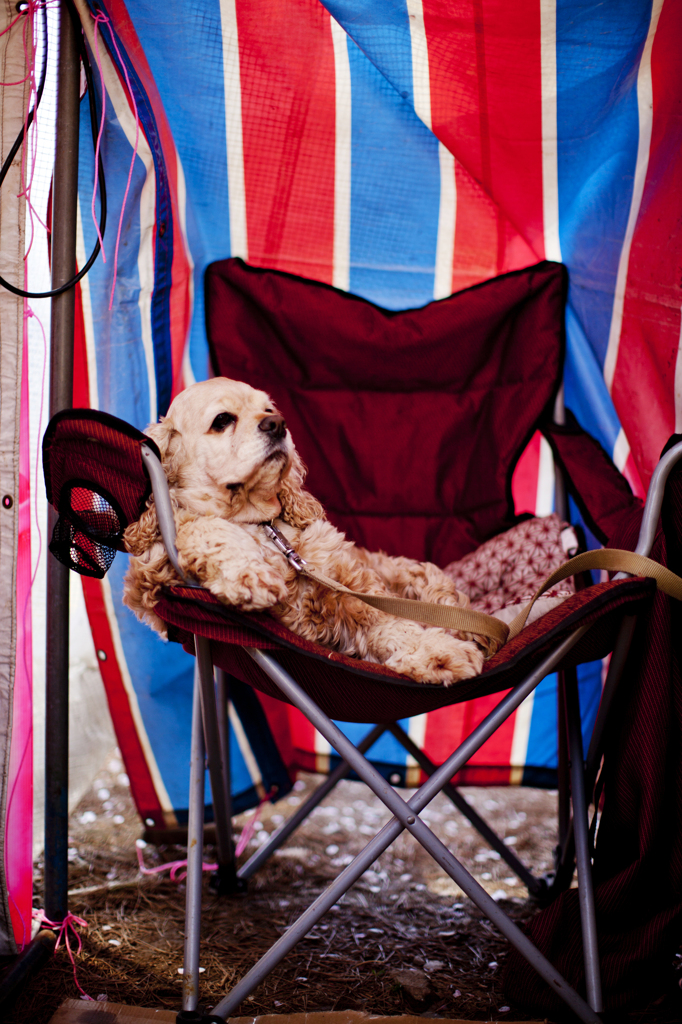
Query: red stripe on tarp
[(447, 727), (644, 381), (141, 782), (137, 769), (525, 478), (180, 301), (631, 474), (476, 233), (303, 735), (288, 131), (81, 383), (486, 108)]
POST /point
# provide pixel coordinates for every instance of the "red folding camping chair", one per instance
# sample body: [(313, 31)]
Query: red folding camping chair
[(492, 388)]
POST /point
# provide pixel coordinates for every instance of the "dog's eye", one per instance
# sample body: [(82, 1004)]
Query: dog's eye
[(222, 420)]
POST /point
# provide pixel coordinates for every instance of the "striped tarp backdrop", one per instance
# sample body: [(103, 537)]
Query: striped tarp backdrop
[(400, 150)]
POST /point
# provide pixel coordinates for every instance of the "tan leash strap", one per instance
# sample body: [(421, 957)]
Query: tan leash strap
[(465, 620), (613, 559)]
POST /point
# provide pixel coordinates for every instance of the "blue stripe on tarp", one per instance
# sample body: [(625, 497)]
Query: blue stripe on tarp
[(382, 32), (542, 756), (599, 44), (193, 96), (122, 379), (163, 236), (395, 193), (586, 394)]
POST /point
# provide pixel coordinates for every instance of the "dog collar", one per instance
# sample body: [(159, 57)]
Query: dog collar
[(283, 545)]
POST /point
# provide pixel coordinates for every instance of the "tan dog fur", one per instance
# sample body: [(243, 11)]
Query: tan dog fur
[(223, 484)]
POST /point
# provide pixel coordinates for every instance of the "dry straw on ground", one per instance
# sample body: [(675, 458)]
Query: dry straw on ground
[(404, 940)]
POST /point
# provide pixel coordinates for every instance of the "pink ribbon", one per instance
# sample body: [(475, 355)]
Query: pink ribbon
[(68, 924)]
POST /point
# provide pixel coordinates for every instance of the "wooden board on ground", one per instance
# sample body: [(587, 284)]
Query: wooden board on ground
[(77, 1011)]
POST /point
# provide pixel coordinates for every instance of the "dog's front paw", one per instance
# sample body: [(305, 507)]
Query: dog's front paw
[(254, 589), (438, 658)]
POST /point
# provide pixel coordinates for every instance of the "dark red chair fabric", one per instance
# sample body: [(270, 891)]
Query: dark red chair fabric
[(638, 853), (358, 691), (410, 422), (95, 480)]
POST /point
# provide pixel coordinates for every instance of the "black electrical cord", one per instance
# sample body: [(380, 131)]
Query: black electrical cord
[(94, 128)]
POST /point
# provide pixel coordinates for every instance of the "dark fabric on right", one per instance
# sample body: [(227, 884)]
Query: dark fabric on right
[(638, 856), (410, 422)]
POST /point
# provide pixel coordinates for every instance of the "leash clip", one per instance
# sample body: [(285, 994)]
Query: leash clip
[(283, 545)]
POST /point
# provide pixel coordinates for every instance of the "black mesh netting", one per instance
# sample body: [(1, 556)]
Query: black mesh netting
[(89, 528)]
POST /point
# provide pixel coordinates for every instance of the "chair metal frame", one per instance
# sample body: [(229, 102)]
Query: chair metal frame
[(210, 735)]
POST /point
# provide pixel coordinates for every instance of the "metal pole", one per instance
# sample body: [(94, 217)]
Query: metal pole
[(64, 205), (195, 854), (582, 843)]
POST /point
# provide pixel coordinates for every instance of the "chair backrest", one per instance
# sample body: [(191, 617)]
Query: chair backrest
[(410, 422), (95, 479)]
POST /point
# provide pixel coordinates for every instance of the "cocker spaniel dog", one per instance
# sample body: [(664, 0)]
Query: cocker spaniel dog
[(231, 467)]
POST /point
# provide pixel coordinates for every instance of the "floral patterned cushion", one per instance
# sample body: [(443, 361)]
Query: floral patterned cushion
[(506, 571)]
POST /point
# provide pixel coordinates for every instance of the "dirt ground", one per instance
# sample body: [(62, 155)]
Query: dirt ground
[(404, 915)]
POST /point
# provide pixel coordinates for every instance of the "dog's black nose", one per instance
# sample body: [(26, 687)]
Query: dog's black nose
[(273, 425)]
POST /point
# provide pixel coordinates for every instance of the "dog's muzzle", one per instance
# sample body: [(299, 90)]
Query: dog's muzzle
[(274, 427)]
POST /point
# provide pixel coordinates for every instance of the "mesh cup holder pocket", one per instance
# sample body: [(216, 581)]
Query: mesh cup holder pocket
[(89, 529)]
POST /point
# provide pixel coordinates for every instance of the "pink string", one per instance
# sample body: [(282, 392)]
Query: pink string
[(68, 924), (250, 827), (102, 18), (172, 865)]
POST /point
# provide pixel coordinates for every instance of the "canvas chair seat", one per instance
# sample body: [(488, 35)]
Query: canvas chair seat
[(361, 691)]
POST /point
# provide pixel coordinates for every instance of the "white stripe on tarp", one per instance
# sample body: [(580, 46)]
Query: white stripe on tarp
[(246, 751), (342, 155), (447, 219), (89, 327), (187, 372), (421, 86), (233, 130), (519, 747), (621, 451), (416, 730), (544, 499), (645, 104), (550, 172), (322, 753), (447, 211), (157, 780), (145, 259)]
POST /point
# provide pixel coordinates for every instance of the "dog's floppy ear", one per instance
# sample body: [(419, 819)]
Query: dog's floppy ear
[(298, 506), (169, 441), (140, 536)]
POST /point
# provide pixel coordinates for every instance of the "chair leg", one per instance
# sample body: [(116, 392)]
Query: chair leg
[(536, 886), (563, 786), (195, 853), (211, 714), (406, 816), (582, 844), (565, 853), (291, 824)]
